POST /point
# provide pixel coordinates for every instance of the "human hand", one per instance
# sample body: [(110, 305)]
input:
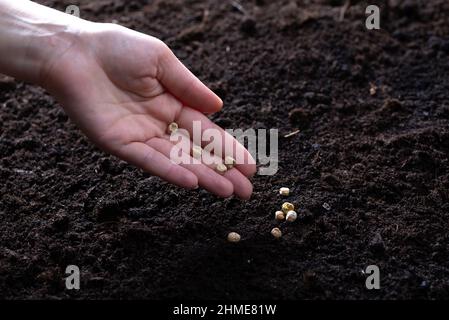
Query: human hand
[(123, 89)]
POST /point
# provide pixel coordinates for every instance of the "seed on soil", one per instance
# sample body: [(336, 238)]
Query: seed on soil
[(229, 162), (287, 206), (284, 191), (276, 232), (291, 216), (172, 127), (196, 152), (326, 206), (233, 237), (279, 215), (372, 89), (221, 168)]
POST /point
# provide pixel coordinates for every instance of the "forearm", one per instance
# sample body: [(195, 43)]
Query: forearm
[(30, 35)]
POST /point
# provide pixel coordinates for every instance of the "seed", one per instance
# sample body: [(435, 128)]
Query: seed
[(372, 89), (279, 215), (172, 127), (233, 237), (221, 168), (291, 216), (276, 232), (287, 206), (196, 152), (326, 206), (229, 162), (284, 191)]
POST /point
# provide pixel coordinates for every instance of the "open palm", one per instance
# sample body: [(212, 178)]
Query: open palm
[(124, 88)]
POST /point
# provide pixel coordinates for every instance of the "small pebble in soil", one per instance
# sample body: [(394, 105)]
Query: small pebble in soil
[(326, 206), (221, 168), (276, 232), (172, 127), (284, 191), (287, 206), (279, 215), (424, 285), (291, 216), (229, 162), (233, 237)]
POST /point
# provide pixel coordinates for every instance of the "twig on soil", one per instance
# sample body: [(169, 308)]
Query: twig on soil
[(291, 134), (194, 31), (236, 5), (344, 9)]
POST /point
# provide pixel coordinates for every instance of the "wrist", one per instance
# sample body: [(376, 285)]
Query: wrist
[(31, 36), (52, 48)]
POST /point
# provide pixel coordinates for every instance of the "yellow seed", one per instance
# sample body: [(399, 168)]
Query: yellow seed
[(196, 152), (279, 215), (172, 127), (291, 216), (229, 162), (221, 168), (276, 232), (284, 191), (287, 206), (233, 237)]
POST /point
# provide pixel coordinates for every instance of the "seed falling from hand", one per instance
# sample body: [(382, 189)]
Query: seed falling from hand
[(229, 162), (172, 127), (284, 191), (291, 216), (221, 168), (287, 206), (279, 215), (233, 237), (276, 232), (372, 89)]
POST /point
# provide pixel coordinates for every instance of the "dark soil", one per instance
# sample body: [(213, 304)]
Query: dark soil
[(380, 161)]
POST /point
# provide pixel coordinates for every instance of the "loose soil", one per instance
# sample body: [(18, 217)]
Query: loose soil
[(379, 161)]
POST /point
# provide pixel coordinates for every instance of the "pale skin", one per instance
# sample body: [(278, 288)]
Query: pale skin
[(122, 88)]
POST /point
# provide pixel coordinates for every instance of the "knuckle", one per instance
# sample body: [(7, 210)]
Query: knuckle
[(162, 50)]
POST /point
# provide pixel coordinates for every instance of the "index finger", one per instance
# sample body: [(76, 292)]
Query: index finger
[(184, 85)]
